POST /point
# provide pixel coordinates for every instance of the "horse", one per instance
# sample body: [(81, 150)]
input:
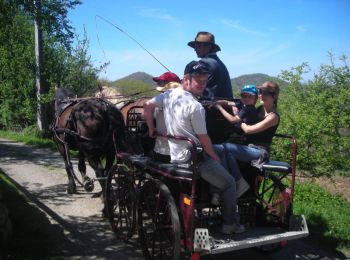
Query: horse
[(92, 126), (132, 111), (112, 95)]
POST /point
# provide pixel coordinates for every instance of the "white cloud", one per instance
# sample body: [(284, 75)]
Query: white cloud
[(158, 14), (302, 28), (238, 27)]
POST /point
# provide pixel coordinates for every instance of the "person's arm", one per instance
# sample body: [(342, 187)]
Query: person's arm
[(269, 121), (207, 145), (231, 118), (148, 110)]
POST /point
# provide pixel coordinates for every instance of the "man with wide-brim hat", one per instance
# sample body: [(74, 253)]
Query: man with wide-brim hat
[(219, 83)]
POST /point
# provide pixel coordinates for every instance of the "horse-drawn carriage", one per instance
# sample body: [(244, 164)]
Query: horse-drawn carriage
[(169, 208)]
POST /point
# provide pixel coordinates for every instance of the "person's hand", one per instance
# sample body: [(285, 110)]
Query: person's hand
[(218, 106), (152, 133), (235, 110), (221, 102)]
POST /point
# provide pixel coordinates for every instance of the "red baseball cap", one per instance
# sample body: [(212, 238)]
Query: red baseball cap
[(167, 77)]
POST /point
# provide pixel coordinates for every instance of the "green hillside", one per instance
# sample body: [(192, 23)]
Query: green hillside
[(256, 79), (237, 83)]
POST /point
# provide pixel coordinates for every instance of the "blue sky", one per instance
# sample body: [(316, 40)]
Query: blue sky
[(255, 36)]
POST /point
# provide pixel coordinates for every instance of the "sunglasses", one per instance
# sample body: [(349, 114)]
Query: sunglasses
[(247, 96), (266, 93), (202, 44)]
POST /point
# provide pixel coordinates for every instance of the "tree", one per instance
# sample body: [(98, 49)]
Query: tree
[(66, 64), (317, 112)]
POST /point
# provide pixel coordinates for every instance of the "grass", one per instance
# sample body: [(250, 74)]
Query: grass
[(327, 215), (31, 237), (29, 137)]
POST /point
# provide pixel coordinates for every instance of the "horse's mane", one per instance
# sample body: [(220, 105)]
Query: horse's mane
[(112, 95)]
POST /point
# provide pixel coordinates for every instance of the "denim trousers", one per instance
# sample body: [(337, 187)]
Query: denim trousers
[(244, 153), (215, 173)]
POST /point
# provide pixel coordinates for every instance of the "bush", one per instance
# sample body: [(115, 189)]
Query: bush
[(317, 113)]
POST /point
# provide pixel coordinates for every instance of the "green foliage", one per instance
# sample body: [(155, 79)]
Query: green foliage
[(64, 64), (16, 63), (135, 88), (327, 215), (317, 113)]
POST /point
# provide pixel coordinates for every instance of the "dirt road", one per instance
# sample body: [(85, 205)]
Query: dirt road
[(77, 225)]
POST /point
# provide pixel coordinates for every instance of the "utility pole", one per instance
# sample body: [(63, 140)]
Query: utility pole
[(40, 88)]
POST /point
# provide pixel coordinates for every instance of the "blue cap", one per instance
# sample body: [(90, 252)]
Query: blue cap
[(251, 89)]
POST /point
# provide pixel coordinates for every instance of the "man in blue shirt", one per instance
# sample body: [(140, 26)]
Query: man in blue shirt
[(219, 82)]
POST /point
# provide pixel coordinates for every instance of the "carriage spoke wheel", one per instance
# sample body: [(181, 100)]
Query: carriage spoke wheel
[(274, 197), (158, 222), (121, 202)]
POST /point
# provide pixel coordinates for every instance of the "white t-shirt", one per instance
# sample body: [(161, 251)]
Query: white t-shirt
[(161, 145), (184, 116)]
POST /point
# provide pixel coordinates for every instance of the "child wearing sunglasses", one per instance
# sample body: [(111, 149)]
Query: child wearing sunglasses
[(245, 112)]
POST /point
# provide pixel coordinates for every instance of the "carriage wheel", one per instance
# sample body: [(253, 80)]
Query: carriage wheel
[(158, 222), (274, 197), (121, 202)]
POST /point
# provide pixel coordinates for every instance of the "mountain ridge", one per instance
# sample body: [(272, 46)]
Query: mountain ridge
[(237, 83)]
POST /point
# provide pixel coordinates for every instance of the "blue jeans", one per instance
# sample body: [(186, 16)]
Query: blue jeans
[(244, 153), (215, 173)]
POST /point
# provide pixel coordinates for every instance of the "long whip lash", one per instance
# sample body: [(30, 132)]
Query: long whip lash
[(107, 21)]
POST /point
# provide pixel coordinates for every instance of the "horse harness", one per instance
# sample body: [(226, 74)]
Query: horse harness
[(71, 124)]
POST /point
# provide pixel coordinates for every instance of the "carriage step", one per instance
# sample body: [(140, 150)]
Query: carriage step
[(201, 240)]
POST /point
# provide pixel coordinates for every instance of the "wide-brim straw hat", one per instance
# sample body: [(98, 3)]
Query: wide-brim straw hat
[(205, 37)]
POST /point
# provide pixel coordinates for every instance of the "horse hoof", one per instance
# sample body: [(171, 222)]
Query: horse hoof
[(71, 190), (89, 185), (104, 213)]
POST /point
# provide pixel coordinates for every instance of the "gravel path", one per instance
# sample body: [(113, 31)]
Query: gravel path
[(76, 222), (76, 219)]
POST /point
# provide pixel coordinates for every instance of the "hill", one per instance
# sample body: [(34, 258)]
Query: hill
[(137, 76), (256, 79)]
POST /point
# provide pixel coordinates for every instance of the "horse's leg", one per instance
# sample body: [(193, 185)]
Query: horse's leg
[(64, 151), (87, 182), (96, 164), (82, 165)]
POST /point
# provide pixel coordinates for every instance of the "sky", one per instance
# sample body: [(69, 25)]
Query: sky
[(255, 36)]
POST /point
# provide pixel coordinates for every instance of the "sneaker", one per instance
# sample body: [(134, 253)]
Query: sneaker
[(215, 199), (231, 229), (241, 187)]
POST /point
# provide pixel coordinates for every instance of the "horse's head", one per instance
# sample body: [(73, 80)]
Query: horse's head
[(62, 99)]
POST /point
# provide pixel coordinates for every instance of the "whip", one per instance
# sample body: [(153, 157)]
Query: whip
[(130, 37)]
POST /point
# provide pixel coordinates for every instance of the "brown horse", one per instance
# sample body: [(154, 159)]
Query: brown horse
[(92, 126), (136, 126)]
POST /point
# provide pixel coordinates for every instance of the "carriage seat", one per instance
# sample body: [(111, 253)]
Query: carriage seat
[(144, 162), (172, 169), (139, 161), (276, 166)]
